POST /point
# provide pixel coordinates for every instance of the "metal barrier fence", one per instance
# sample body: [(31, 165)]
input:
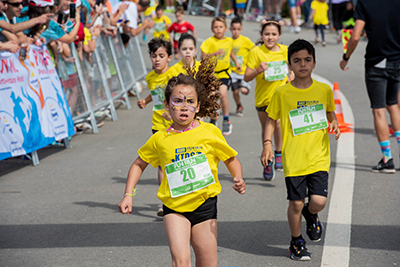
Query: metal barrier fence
[(258, 9), (98, 82), (204, 7)]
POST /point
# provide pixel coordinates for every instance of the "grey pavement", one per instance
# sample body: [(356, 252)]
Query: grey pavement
[(64, 211)]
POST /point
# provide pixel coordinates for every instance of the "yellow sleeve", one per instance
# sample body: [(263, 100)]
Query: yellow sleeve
[(88, 36), (330, 106), (206, 46), (149, 152), (274, 107), (252, 60)]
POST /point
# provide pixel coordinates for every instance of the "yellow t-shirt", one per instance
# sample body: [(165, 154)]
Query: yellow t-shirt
[(321, 12), (309, 152), (241, 49), (160, 26), (88, 36), (212, 45), (179, 67), (157, 84), (164, 148), (265, 89)]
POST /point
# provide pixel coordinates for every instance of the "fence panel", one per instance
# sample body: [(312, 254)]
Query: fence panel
[(258, 9), (136, 57)]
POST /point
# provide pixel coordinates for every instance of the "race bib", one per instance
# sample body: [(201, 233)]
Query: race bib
[(308, 119), (159, 27), (177, 35), (277, 70), (239, 59), (189, 175), (158, 96)]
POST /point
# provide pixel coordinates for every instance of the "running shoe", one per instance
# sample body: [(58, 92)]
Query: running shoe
[(278, 162), (314, 228), (269, 173), (323, 43), (297, 29), (239, 111), (316, 40), (383, 167), (298, 250), (144, 37), (226, 128), (160, 212)]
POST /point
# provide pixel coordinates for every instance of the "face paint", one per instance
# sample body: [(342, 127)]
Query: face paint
[(189, 102)]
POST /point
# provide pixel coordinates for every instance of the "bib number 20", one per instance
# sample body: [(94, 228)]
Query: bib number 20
[(188, 173)]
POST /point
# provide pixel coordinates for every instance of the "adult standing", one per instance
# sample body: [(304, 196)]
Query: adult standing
[(339, 8), (381, 21)]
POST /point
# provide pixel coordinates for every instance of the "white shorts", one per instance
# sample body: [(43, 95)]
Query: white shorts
[(238, 82)]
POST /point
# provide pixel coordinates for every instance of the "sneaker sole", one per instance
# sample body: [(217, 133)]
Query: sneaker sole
[(384, 171), (304, 258), (160, 213), (239, 114), (229, 132)]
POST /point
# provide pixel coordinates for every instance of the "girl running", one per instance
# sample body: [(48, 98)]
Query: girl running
[(189, 152), (268, 64), (222, 47), (187, 49)]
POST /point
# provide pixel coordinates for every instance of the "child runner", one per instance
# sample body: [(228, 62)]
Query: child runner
[(320, 14), (187, 49), (189, 152), (241, 48), (179, 27), (161, 23), (149, 13), (157, 80), (222, 47), (268, 64), (304, 106)]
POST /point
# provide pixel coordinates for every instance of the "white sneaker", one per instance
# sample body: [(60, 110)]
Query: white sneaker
[(297, 29)]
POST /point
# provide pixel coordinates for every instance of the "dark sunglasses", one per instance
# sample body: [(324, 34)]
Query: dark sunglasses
[(14, 4)]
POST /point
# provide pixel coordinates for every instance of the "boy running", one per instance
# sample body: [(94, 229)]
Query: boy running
[(161, 23), (303, 106), (241, 48), (178, 27)]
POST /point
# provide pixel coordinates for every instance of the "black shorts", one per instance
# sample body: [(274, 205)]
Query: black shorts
[(262, 109), (226, 81), (205, 212), (383, 84), (154, 131), (315, 183)]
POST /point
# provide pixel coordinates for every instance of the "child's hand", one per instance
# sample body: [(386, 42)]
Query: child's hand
[(240, 185), (267, 154), (166, 116), (334, 127), (125, 206), (141, 103), (239, 68), (263, 67)]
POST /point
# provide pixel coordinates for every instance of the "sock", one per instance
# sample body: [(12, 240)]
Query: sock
[(397, 134), (297, 238), (385, 148), (226, 118)]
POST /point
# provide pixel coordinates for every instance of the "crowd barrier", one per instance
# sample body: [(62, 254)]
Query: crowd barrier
[(83, 84), (255, 9)]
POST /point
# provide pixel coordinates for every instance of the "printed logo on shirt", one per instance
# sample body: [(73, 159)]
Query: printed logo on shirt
[(221, 57), (186, 152), (236, 49), (302, 104)]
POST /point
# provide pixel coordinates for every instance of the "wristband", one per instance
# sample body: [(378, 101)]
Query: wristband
[(345, 58), (266, 141), (94, 37), (257, 71), (133, 193)]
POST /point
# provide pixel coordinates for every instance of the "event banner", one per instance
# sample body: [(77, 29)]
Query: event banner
[(33, 109)]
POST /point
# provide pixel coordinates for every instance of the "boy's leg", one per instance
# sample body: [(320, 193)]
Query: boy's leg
[(178, 229), (160, 175), (294, 216), (204, 242), (316, 33), (268, 172), (226, 125)]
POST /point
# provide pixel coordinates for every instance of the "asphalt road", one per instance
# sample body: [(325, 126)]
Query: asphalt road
[(64, 211)]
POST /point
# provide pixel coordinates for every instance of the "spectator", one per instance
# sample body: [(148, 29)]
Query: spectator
[(382, 68), (339, 9)]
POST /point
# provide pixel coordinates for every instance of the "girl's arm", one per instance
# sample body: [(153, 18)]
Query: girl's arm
[(143, 102), (333, 124), (267, 153), (136, 170), (238, 67), (235, 169), (250, 73), (312, 14)]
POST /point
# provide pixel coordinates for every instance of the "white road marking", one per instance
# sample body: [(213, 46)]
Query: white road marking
[(336, 250)]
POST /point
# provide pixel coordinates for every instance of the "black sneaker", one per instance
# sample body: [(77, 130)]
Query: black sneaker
[(298, 250), (387, 167), (314, 226)]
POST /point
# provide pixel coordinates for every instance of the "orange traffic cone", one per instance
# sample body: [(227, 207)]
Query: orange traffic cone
[(343, 126)]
